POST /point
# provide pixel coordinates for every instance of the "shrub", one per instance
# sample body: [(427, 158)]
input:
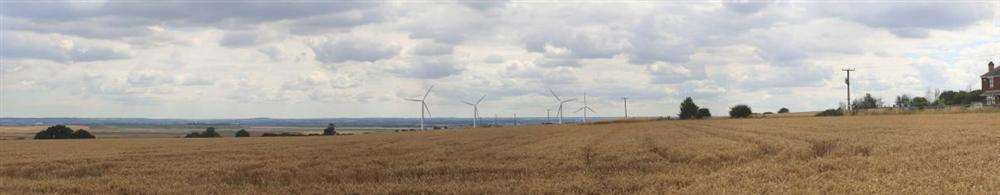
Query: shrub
[(766, 113), (831, 112), (740, 111), (330, 129), (55, 132), (208, 133), (782, 110), (83, 134), (689, 110), (703, 113), (242, 133)]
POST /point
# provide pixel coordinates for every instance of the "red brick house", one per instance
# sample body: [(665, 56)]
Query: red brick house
[(991, 85)]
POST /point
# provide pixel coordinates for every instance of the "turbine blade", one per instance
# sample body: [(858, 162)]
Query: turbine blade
[(591, 109), (481, 99), (569, 100), (578, 110), (424, 104), (554, 95), (463, 101), (412, 99), (428, 91)]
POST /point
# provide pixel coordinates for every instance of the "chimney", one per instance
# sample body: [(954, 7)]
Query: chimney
[(991, 67)]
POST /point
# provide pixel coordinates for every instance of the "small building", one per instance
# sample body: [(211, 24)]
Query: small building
[(991, 85)]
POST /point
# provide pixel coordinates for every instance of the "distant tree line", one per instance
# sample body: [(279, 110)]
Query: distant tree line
[(210, 132), (690, 110), (63, 132), (946, 98), (935, 98)]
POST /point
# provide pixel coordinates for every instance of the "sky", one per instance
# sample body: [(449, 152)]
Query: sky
[(317, 59)]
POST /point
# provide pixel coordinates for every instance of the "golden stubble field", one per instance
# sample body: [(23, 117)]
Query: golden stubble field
[(901, 154)]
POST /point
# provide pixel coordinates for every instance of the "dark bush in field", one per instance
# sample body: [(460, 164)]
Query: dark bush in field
[(740, 111), (63, 132), (208, 133), (242, 133), (782, 110), (831, 112), (330, 129), (83, 134), (703, 113)]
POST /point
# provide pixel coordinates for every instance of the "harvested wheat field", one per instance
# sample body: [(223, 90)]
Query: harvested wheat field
[(901, 154)]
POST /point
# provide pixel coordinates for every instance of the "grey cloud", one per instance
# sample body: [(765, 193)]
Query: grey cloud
[(783, 77), (700, 89), (273, 53), (557, 62), (580, 43), (104, 27), (447, 25), (493, 59), (60, 49), (239, 38), (335, 22), (114, 20), (197, 81), (428, 68), (349, 49), (910, 19), (746, 7), (663, 73), (910, 32), (183, 11), (149, 79), (485, 5), (432, 49)]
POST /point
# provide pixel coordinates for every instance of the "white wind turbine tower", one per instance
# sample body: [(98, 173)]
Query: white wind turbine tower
[(559, 112), (475, 111), (423, 106), (585, 108)]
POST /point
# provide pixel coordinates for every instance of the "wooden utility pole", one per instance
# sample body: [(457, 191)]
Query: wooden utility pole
[(848, 82)]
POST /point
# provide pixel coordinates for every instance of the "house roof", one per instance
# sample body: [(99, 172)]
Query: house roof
[(994, 72)]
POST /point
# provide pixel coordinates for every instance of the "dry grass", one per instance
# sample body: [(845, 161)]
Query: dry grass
[(899, 154)]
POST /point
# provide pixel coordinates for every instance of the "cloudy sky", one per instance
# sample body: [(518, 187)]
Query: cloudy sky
[(231, 59)]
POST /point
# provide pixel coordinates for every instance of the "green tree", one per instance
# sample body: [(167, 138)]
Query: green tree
[(903, 101), (740, 111), (703, 113), (55, 132), (919, 102), (689, 110), (83, 134), (867, 102), (210, 132), (331, 129), (783, 110), (242, 133)]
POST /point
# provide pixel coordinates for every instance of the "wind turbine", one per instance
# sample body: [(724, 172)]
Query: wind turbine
[(475, 111), (561, 102), (585, 108), (423, 106)]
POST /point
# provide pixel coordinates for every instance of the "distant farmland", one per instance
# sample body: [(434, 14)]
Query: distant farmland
[(902, 154)]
